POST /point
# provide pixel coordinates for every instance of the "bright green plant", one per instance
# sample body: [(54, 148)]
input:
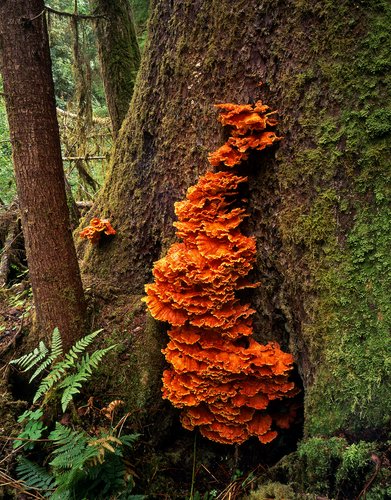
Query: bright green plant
[(82, 465), (67, 373)]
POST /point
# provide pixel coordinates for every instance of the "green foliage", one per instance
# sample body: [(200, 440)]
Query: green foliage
[(320, 458), (268, 491), (61, 42), (336, 469), (7, 181), (67, 375), (140, 10), (82, 465), (33, 428), (378, 123), (34, 475)]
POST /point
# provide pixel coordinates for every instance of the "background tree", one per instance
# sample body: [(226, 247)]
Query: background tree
[(119, 55), (319, 209), (29, 92)]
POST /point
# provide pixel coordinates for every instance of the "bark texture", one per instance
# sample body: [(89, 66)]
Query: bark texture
[(119, 55), (319, 206), (28, 86)]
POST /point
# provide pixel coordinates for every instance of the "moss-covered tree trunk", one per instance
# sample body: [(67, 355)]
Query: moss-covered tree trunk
[(119, 55), (320, 203)]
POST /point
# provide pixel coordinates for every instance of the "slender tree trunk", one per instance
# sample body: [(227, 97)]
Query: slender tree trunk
[(320, 209), (28, 85), (119, 55)]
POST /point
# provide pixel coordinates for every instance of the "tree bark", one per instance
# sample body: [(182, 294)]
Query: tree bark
[(28, 85), (119, 55), (319, 207)]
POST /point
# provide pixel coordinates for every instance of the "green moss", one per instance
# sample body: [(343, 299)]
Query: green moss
[(334, 468), (268, 491)]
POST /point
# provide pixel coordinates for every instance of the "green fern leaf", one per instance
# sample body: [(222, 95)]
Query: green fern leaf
[(82, 344), (29, 360), (55, 375), (73, 383), (56, 349), (73, 450), (34, 476), (129, 439)]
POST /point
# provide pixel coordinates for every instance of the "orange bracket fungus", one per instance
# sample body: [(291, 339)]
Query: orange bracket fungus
[(220, 377), (97, 227)]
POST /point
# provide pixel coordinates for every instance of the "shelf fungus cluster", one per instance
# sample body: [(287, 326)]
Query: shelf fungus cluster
[(96, 228), (221, 378)]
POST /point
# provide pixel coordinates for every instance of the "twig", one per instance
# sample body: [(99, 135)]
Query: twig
[(193, 474), (38, 15), (10, 438), (73, 15), (18, 485), (208, 471), (377, 461), (85, 158)]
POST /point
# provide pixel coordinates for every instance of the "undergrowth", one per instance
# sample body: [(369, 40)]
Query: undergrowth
[(68, 451)]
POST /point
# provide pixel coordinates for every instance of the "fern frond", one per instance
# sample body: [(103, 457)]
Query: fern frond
[(81, 345), (97, 356), (55, 375), (29, 360), (34, 476), (73, 450), (56, 349), (73, 383), (129, 439)]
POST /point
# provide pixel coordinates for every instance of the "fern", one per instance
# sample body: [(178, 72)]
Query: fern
[(81, 345), (56, 351), (55, 375), (29, 360), (80, 466), (35, 476), (58, 376), (73, 383), (72, 448)]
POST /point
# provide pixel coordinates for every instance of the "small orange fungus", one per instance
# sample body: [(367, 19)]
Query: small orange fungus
[(96, 228), (220, 377)]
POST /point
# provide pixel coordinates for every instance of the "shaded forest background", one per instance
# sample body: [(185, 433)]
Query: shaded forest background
[(319, 208)]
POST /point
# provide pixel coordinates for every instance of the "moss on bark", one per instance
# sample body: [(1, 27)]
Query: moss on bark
[(319, 208)]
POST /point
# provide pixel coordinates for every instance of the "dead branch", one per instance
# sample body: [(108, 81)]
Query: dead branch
[(85, 158), (95, 119), (73, 15), (6, 255), (84, 204)]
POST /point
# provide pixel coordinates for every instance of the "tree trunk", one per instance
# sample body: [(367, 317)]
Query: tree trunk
[(28, 85), (319, 207), (119, 55)]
